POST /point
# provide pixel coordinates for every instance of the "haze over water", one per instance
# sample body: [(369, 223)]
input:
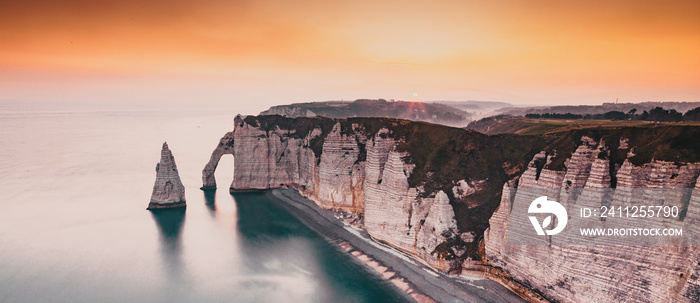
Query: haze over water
[(74, 186)]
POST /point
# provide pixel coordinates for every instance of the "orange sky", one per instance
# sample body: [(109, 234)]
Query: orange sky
[(271, 52)]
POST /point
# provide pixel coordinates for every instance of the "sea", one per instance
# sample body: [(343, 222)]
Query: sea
[(74, 186)]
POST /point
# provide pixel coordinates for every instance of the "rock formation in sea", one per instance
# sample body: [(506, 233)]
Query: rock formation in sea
[(168, 191), (445, 194)]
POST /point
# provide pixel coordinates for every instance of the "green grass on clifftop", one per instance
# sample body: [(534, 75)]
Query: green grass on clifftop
[(678, 143), (505, 124)]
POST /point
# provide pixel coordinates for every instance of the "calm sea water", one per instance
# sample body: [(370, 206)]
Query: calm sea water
[(74, 185)]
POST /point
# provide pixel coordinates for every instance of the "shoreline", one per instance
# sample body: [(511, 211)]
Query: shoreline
[(417, 280)]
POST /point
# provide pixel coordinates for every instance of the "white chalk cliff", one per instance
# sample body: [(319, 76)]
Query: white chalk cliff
[(168, 191), (601, 273), (353, 173), (357, 166)]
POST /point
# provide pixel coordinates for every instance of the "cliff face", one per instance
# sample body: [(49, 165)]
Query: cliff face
[(433, 191), (585, 273), (395, 214), (340, 174), (168, 191), (393, 172)]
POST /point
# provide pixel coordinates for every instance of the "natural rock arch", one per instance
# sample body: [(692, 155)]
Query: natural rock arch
[(225, 147)]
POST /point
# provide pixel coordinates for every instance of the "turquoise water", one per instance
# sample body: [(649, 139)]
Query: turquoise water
[(74, 185)]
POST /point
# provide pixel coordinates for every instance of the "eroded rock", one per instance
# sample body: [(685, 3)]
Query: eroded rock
[(168, 191)]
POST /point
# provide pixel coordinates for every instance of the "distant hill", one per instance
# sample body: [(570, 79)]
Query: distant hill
[(439, 113), (554, 119), (479, 109), (476, 105), (598, 109)]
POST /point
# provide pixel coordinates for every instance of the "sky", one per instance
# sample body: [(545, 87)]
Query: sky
[(254, 54)]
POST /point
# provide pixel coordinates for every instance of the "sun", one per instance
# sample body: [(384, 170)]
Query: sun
[(414, 94)]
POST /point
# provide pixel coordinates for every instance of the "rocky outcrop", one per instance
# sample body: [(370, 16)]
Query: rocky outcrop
[(168, 191), (437, 227), (599, 273)]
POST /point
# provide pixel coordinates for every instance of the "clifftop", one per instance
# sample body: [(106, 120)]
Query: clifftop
[(640, 145)]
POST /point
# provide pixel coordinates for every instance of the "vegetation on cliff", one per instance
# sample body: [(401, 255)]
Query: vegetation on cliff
[(657, 114), (553, 123), (504, 124), (670, 141), (673, 143), (600, 109)]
